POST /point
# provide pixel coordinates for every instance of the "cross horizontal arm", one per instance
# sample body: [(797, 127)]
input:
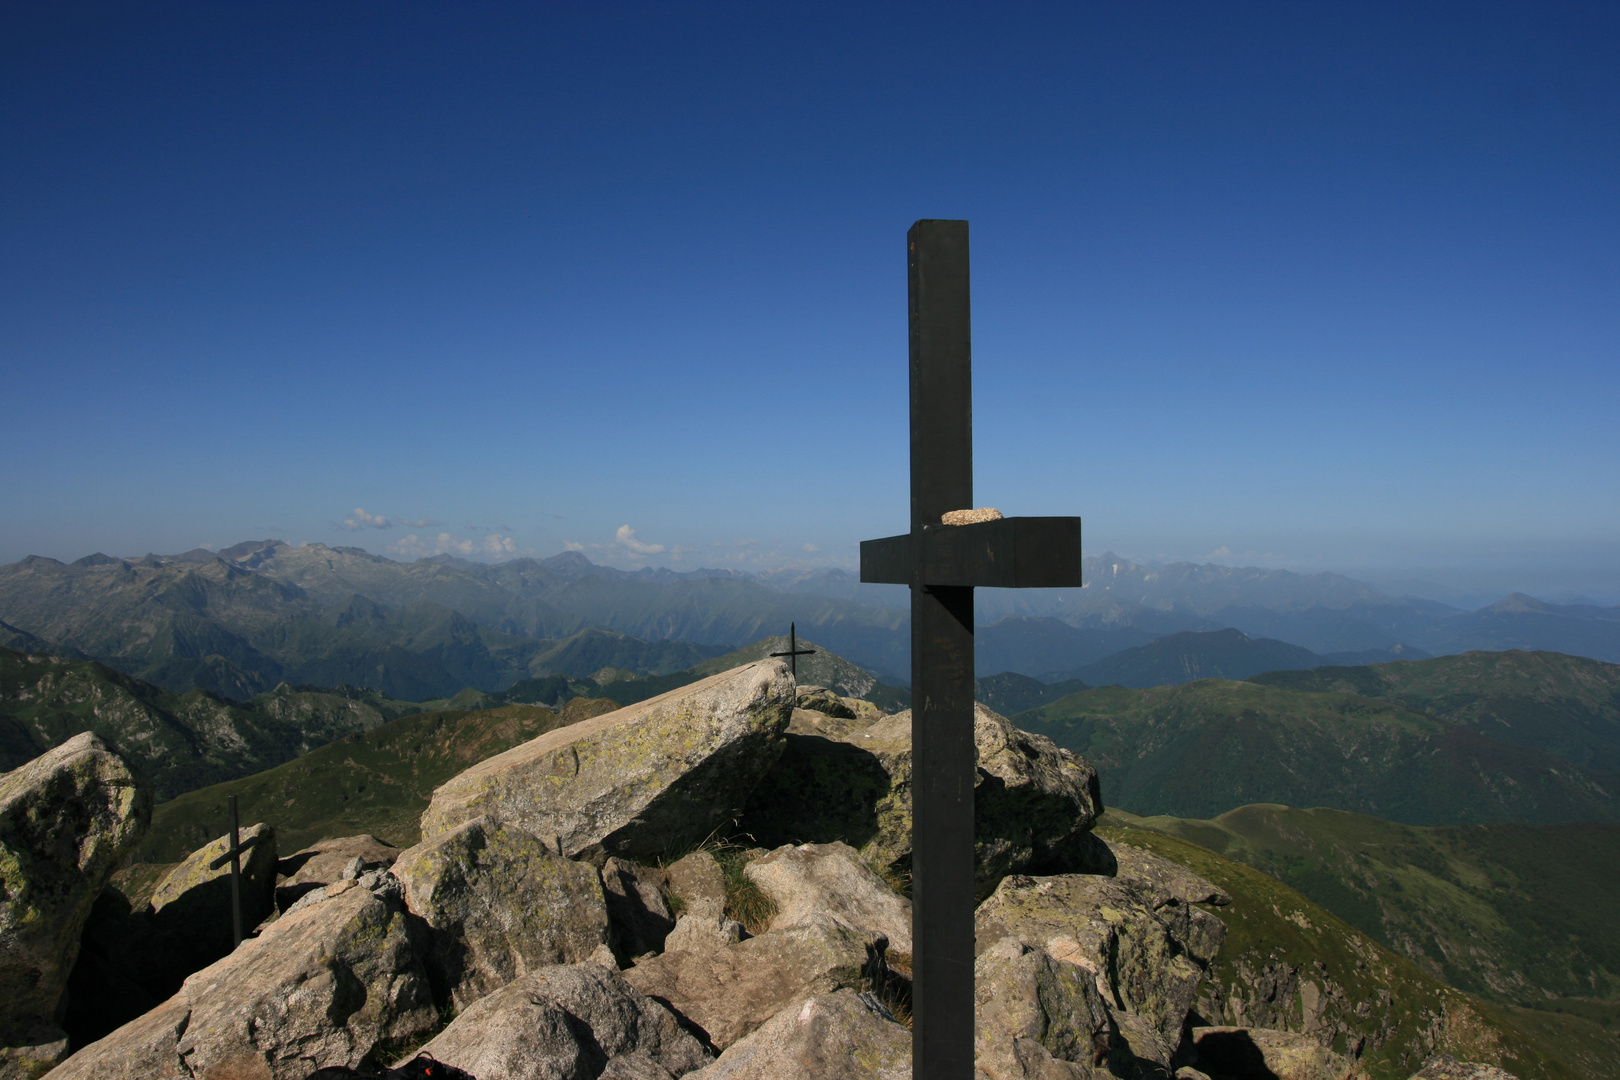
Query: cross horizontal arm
[(240, 848), (1012, 553)]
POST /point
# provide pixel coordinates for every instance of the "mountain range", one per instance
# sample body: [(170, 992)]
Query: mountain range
[(240, 621)]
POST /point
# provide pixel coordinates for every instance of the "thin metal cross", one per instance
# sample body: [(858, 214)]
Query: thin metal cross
[(233, 855), (943, 563), (793, 651)]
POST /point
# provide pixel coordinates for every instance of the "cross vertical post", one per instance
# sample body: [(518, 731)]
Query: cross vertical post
[(941, 657), (236, 877), (793, 651), (233, 855), (951, 549)]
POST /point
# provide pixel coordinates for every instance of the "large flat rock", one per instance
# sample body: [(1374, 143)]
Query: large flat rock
[(638, 781)]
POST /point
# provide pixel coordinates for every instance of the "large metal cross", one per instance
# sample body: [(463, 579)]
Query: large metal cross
[(942, 563)]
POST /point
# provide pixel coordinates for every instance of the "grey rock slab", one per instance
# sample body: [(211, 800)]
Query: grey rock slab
[(67, 819), (1285, 1055), (700, 933), (730, 990), (498, 904), (843, 1035), (634, 782), (1034, 802), (568, 1023), (1176, 880), (1133, 941), (1037, 1017), (699, 882), (324, 862), (808, 881), (321, 986)]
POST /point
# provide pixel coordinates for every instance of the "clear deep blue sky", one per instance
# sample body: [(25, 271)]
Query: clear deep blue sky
[(1301, 285)]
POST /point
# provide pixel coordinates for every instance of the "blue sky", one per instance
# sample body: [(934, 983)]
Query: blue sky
[(1302, 285)]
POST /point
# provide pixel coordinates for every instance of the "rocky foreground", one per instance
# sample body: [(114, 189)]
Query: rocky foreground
[(571, 914)]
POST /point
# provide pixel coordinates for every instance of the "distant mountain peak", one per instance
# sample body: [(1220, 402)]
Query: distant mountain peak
[(1522, 602)]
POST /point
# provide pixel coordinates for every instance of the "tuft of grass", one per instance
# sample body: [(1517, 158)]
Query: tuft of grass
[(899, 881), (894, 988), (745, 901)]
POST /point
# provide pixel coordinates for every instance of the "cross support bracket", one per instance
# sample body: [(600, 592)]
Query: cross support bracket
[(1012, 553)]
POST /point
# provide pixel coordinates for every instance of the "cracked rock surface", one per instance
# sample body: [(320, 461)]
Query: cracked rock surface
[(323, 985)]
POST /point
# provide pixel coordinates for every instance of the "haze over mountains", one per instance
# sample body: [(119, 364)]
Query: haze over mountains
[(240, 621)]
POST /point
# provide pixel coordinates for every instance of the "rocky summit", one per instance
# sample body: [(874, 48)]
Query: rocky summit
[(596, 904)]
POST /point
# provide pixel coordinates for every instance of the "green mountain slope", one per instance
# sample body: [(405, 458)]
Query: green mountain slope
[(1179, 658), (1567, 706), (376, 782), (1517, 913), (180, 741), (1289, 963), (1010, 692), (1198, 749)]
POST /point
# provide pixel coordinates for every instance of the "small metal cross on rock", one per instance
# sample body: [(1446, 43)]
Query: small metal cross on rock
[(950, 549), (233, 855), (793, 651)]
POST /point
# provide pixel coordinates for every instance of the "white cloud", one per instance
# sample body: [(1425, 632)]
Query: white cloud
[(416, 547), (573, 545), (425, 523), (811, 548), (1222, 552), (626, 536), (363, 520)]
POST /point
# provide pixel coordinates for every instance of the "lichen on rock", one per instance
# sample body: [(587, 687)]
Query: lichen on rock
[(498, 904), (636, 782), (67, 819)]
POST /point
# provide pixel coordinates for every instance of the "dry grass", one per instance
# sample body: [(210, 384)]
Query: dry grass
[(745, 901), (893, 986)]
